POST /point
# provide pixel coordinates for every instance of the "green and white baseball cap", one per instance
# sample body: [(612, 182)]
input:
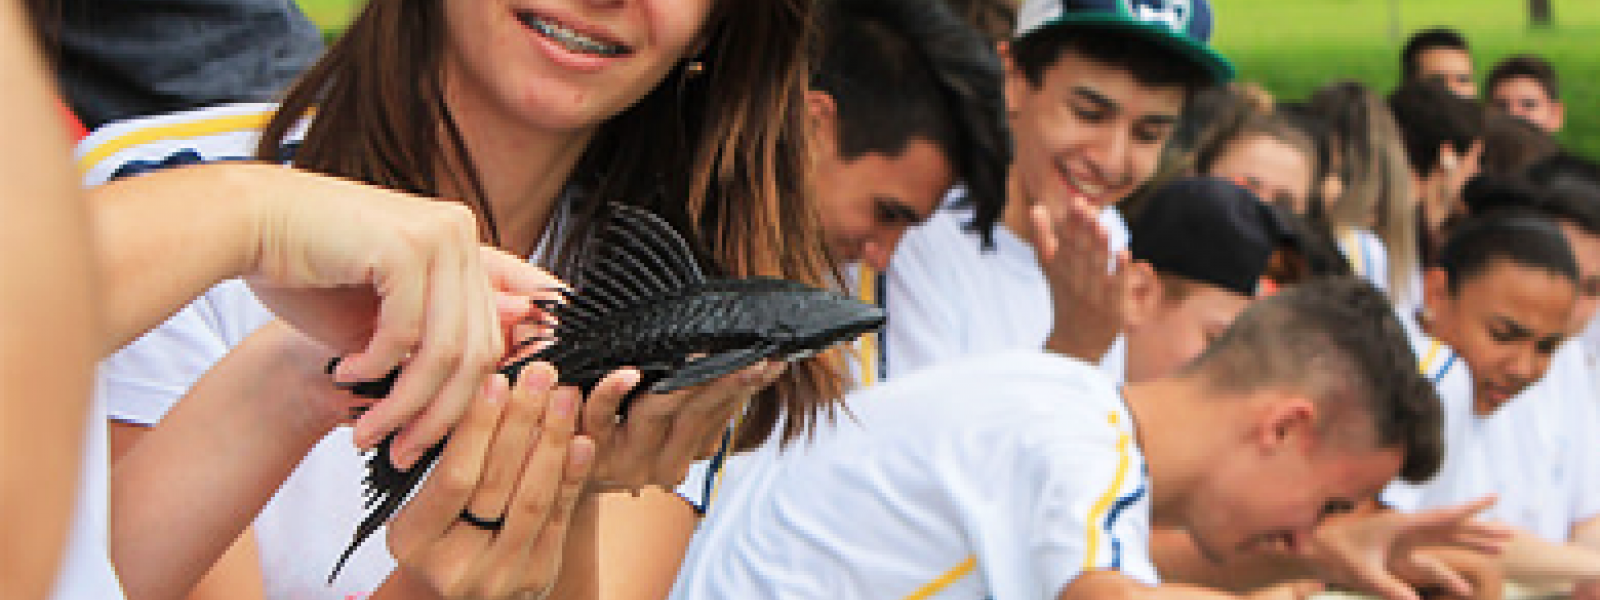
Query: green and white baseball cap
[(1181, 25)]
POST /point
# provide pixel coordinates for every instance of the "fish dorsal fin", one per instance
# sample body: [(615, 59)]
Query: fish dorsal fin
[(636, 258)]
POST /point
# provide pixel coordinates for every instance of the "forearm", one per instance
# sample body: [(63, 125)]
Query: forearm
[(624, 548), (193, 483), (1533, 561), (204, 217), (1113, 585), (49, 316), (1179, 561)]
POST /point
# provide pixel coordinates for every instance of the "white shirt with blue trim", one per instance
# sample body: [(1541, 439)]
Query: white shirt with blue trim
[(1002, 476)]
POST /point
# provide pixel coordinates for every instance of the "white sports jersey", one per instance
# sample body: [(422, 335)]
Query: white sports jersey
[(1453, 383), (947, 298), (309, 522), (1001, 476), (1537, 453), (1367, 256), (305, 527)]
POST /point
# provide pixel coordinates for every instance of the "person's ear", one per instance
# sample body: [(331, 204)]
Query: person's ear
[(1287, 422), (1435, 295), (1144, 294), (1560, 120), (1016, 84), (822, 115)]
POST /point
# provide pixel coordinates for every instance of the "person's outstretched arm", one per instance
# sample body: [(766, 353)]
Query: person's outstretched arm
[(48, 318)]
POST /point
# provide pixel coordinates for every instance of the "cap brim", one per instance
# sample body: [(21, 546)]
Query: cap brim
[(1217, 67)]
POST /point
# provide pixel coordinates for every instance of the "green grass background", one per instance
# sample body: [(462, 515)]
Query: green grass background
[(1293, 46)]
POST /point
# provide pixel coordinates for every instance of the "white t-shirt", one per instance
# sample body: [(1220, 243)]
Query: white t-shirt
[(305, 527), (1452, 381), (1001, 476), (947, 298), (309, 522), (1367, 256), (1537, 453)]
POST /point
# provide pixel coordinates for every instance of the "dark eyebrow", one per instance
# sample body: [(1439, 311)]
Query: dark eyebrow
[(1163, 120), (899, 211), (1100, 100), (1513, 329)]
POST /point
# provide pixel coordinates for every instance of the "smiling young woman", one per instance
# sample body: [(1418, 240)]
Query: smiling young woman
[(533, 113)]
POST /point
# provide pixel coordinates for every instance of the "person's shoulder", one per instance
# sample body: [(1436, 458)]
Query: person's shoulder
[(1012, 380), (127, 147)]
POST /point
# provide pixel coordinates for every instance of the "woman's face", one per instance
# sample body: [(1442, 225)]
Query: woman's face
[(1275, 171), (563, 65)]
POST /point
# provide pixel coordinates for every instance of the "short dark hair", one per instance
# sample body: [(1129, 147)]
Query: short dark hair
[(900, 70), (1425, 40), (1566, 199), (1511, 145), (1526, 65), (1562, 165), (1336, 339), (1151, 64), (993, 18), (1523, 237), (1429, 115)]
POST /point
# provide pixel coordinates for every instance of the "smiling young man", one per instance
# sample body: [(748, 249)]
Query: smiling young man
[(1093, 90), (1031, 475)]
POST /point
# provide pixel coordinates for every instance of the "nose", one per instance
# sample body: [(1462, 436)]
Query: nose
[(876, 255), (1108, 155), (1527, 366)]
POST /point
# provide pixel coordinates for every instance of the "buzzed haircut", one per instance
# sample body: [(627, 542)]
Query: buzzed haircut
[(1522, 237), (1337, 340), (1429, 116), (1149, 63), (1530, 66), (901, 70), (1425, 40)]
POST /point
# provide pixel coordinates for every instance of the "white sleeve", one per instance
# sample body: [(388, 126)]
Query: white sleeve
[(924, 323), (144, 379), (1583, 451), (1053, 508)]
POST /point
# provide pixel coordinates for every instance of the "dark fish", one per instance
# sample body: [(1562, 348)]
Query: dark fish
[(644, 302)]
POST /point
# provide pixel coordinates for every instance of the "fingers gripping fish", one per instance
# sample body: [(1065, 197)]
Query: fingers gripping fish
[(643, 302)]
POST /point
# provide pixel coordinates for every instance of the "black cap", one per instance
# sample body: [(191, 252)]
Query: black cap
[(1211, 231)]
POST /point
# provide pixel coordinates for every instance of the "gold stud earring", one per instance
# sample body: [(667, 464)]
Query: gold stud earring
[(695, 68)]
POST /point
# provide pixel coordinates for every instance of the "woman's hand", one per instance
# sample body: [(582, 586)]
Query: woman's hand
[(491, 520), (663, 434), (392, 279)]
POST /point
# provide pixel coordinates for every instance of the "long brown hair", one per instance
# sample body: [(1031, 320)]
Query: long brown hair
[(721, 155), (1377, 182)]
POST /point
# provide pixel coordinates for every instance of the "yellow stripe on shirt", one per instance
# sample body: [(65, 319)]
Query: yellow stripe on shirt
[(1103, 505), (185, 129), (1356, 252), (943, 581), (1430, 358), (867, 354)]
